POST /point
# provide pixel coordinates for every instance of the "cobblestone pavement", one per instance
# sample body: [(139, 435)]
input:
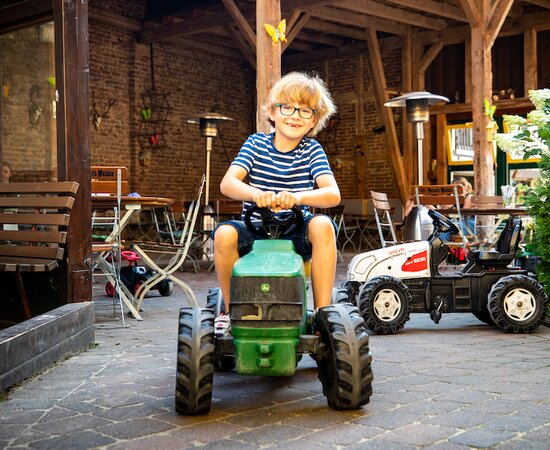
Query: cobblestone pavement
[(459, 384)]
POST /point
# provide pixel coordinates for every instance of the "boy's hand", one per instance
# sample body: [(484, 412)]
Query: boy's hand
[(286, 200), (267, 199)]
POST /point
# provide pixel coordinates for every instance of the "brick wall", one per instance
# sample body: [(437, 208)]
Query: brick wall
[(360, 158), (195, 82)]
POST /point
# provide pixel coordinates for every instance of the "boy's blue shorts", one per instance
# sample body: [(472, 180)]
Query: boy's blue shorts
[(247, 237)]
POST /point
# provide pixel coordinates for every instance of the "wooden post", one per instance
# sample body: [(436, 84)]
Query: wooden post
[(268, 57), (381, 96), (73, 140), (407, 86), (482, 82)]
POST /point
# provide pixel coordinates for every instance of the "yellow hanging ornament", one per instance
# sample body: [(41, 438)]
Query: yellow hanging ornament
[(276, 34)]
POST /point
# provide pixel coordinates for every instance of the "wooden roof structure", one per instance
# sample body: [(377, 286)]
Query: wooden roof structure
[(318, 29)]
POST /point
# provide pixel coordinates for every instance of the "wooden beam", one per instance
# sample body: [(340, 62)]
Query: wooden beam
[(241, 22), (498, 14), (541, 3), (296, 28), (441, 170), (429, 56), (468, 69), (73, 143), (472, 11), (530, 80), (364, 21), (372, 8), (381, 96), (268, 58), (432, 7), (407, 86), (115, 20), (539, 22), (332, 28), (248, 53)]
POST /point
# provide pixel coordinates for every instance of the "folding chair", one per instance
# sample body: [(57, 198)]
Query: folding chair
[(384, 223), (179, 252), (106, 255)]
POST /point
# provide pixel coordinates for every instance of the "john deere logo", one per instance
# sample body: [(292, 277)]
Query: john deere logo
[(264, 287)]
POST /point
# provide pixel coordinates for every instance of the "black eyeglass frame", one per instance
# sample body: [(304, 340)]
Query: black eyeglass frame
[(300, 110)]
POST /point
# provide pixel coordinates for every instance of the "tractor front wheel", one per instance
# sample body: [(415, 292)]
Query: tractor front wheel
[(385, 304), (195, 364), (345, 367), (517, 303)]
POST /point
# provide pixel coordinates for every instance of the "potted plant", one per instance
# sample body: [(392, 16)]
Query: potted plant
[(530, 136)]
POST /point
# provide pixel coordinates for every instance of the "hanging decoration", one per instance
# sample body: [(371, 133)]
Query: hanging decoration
[(276, 34)]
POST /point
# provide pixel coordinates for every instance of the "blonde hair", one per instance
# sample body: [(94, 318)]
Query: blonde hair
[(304, 89), (464, 182)]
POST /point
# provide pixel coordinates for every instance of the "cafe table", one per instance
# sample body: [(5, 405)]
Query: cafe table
[(499, 212), (131, 205)]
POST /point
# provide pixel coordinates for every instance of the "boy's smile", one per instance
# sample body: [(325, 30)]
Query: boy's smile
[(290, 129)]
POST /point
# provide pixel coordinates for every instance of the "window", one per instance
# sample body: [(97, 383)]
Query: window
[(27, 102)]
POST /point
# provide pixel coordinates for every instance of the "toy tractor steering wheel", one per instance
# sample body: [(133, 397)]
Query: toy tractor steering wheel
[(442, 223), (272, 226)]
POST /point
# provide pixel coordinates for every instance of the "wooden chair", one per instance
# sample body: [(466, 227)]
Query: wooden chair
[(382, 214), (444, 196), (104, 180)]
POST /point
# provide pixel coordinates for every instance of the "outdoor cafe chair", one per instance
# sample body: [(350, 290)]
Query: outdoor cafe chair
[(178, 251), (384, 223)]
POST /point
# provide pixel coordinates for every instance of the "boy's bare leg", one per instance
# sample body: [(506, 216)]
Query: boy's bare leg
[(226, 253), (323, 259)]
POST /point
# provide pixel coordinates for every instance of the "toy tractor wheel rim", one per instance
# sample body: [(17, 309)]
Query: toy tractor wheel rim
[(387, 305), (520, 304), (517, 303), (195, 362)]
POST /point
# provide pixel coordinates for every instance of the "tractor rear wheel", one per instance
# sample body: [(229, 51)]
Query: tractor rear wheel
[(345, 368), (518, 303), (385, 304), (195, 363)]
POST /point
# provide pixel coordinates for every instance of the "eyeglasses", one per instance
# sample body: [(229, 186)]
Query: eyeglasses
[(288, 110)]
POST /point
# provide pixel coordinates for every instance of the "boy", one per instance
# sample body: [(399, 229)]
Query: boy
[(283, 168)]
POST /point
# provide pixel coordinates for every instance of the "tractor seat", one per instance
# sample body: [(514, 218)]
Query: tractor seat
[(505, 248)]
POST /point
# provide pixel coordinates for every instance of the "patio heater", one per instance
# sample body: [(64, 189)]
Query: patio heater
[(208, 127), (418, 224)]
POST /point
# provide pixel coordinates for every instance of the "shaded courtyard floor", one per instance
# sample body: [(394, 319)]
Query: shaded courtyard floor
[(459, 384)]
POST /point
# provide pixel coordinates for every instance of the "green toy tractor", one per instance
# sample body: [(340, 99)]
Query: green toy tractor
[(271, 327)]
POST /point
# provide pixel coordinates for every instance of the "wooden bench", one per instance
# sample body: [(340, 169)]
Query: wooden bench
[(34, 218)]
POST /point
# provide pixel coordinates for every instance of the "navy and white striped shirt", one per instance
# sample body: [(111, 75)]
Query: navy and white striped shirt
[(271, 170)]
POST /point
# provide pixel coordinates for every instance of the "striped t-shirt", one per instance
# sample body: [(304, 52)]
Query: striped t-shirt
[(271, 170)]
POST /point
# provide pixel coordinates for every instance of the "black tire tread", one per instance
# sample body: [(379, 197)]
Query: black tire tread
[(348, 357), (195, 362)]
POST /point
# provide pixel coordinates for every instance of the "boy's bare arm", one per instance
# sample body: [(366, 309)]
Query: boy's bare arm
[(326, 195)]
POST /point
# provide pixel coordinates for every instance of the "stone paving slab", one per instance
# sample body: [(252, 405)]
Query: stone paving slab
[(457, 385)]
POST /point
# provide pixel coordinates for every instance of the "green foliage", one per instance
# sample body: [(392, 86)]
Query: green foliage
[(532, 138)]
